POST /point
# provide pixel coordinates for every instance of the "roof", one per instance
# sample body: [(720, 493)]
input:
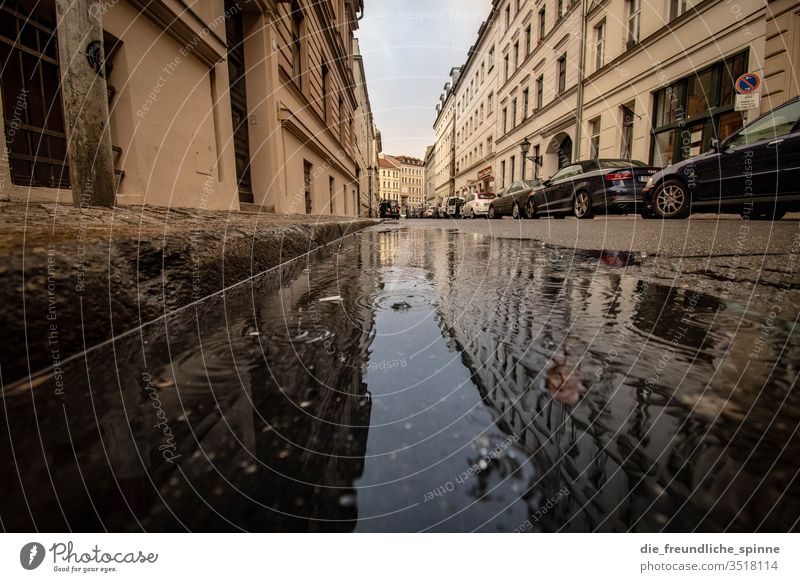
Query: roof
[(388, 162)]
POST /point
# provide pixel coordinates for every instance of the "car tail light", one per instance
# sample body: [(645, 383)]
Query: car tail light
[(614, 176)]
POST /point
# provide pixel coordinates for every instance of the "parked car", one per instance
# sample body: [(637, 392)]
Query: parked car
[(755, 171), (590, 187), (477, 204), (389, 209), (452, 207), (511, 200), (430, 212)]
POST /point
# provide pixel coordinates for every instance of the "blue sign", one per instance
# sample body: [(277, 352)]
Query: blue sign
[(748, 83)]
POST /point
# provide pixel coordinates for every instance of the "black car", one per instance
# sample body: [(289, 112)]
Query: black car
[(755, 171), (511, 201), (389, 209), (586, 188)]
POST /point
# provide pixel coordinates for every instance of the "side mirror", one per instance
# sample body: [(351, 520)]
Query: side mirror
[(546, 182), (714, 143)]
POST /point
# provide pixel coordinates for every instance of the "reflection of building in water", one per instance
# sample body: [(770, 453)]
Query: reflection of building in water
[(632, 453)]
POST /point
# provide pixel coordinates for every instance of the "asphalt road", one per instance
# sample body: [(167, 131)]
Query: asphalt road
[(745, 262)]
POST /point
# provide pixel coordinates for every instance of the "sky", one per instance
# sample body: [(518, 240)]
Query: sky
[(409, 47)]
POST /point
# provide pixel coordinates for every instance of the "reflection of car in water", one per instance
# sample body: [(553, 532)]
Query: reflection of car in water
[(389, 209)]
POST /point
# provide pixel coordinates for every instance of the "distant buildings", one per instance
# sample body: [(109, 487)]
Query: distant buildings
[(606, 78), (403, 179), (430, 175), (217, 105)]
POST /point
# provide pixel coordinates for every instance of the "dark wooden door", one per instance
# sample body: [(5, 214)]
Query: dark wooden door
[(236, 73)]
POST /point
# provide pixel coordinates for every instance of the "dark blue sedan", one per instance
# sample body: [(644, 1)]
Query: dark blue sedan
[(591, 187), (755, 172)]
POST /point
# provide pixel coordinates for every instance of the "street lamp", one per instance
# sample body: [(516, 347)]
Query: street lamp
[(525, 147)]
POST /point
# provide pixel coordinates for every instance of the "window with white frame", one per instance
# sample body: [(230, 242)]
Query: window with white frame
[(594, 138), (634, 11), (599, 45)]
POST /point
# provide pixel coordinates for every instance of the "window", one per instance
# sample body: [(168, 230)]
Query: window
[(562, 73), (516, 55), (599, 45), (508, 16), (525, 103), (626, 144), (325, 91), (542, 15), (528, 40), (341, 120), (505, 68), (688, 113), (594, 138), (307, 170), (539, 92), (297, 42), (34, 129), (491, 58), (676, 8), (483, 72), (502, 173), (512, 169), (505, 120), (776, 124), (634, 9), (560, 8), (513, 114), (537, 151), (489, 145)]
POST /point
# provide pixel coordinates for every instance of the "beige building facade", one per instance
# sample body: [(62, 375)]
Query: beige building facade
[(412, 181), (611, 78), (212, 104), (476, 110), (390, 170), (444, 147)]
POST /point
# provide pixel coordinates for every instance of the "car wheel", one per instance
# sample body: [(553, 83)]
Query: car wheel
[(530, 209), (582, 205), (671, 200), (765, 214), (515, 211)]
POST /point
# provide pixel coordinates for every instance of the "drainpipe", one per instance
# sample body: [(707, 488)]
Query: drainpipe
[(582, 64)]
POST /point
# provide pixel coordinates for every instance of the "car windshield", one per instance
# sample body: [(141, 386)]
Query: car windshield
[(485, 196), (775, 124), (613, 164)]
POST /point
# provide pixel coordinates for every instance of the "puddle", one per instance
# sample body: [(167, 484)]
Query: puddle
[(420, 380)]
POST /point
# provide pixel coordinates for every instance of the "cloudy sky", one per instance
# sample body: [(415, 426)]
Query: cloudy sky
[(409, 47)]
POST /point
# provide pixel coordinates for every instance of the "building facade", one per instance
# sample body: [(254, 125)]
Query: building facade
[(444, 147), (390, 170), (609, 78), (412, 181), (430, 176), (366, 142), (476, 111), (223, 103)]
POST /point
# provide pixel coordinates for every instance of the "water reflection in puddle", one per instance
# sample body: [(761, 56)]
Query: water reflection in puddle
[(421, 381)]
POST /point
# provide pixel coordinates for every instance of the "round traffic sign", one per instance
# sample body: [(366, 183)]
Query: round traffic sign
[(748, 83)]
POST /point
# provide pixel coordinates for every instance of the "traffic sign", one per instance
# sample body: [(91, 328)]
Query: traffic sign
[(747, 101), (748, 83)]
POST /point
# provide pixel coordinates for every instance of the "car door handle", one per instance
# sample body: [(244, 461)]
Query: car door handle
[(774, 142)]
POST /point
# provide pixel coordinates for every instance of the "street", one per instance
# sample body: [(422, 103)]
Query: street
[(443, 376)]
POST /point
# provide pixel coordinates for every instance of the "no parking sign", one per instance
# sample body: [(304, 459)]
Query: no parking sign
[(747, 92), (748, 83)]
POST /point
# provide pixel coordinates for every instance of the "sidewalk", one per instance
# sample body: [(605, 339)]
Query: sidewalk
[(72, 278)]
